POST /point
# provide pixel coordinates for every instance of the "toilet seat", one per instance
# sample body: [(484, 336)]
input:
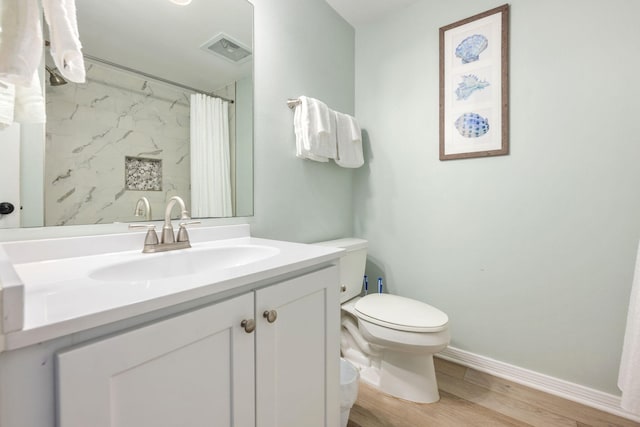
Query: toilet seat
[(400, 313)]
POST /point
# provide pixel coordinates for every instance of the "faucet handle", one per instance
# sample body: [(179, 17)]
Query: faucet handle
[(183, 236), (152, 237)]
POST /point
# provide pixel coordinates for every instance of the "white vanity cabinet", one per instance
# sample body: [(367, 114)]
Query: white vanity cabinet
[(204, 368), (183, 371)]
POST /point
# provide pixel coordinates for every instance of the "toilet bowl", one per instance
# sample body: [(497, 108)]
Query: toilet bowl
[(389, 338), (349, 377)]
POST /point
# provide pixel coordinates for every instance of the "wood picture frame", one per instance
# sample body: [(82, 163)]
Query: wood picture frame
[(474, 86)]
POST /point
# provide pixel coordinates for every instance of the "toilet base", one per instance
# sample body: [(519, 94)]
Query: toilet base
[(399, 364), (407, 376)]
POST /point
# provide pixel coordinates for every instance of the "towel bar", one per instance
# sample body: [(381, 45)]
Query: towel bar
[(292, 103)]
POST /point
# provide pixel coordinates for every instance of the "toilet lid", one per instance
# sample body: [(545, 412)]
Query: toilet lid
[(400, 313)]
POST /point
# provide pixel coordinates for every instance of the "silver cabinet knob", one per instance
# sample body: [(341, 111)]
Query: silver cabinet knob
[(343, 288), (270, 315), (249, 325)]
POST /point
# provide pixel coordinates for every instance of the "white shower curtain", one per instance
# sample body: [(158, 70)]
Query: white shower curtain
[(629, 376), (210, 164)]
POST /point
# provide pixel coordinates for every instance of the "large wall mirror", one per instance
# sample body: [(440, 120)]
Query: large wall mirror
[(134, 129)]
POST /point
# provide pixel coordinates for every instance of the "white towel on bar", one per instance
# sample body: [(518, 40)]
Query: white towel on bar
[(349, 137), (30, 107), (22, 104), (7, 103), (20, 40), (315, 130), (318, 125), (65, 41), (302, 135), (629, 375)]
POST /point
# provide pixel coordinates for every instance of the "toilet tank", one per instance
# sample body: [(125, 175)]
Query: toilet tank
[(352, 264)]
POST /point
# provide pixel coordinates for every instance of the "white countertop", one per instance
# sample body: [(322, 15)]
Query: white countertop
[(60, 297)]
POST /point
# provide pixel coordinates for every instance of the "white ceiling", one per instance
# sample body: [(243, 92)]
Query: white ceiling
[(164, 39), (358, 12)]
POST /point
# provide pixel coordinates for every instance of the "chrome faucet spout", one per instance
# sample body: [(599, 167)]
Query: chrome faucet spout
[(143, 208), (167, 228), (168, 240)]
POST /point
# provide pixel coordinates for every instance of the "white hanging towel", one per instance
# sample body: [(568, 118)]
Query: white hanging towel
[(21, 104), (7, 103), (65, 40), (349, 138), (315, 129), (301, 129), (21, 46), (30, 107), (629, 376), (20, 40)]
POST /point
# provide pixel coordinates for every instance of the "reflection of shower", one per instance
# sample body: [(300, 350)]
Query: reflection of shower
[(54, 78)]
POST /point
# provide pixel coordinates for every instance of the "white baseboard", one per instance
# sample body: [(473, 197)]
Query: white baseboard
[(587, 396)]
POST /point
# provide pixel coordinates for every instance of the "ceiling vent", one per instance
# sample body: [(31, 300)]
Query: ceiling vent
[(228, 48)]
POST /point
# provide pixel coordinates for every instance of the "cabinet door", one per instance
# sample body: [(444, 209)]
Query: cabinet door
[(297, 355), (196, 369)]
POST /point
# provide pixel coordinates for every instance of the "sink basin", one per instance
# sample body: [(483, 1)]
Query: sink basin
[(183, 262), (53, 287)]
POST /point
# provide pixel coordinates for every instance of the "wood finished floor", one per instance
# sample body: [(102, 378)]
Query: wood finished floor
[(472, 398)]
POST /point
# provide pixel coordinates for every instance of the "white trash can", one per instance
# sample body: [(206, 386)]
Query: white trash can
[(349, 377)]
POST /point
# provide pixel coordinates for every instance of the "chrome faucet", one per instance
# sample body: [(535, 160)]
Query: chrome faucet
[(168, 241), (143, 208), (167, 228)]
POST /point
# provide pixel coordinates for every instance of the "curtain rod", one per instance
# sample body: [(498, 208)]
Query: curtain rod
[(151, 76)]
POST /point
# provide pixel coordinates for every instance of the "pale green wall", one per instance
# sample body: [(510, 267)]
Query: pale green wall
[(531, 254), (244, 147), (303, 47)]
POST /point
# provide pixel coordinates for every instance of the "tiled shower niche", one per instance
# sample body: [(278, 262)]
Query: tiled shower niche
[(143, 174)]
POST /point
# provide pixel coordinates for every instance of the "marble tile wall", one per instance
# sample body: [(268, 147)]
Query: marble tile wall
[(93, 127)]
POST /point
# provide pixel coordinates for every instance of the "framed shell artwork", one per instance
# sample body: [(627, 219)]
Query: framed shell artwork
[(474, 86)]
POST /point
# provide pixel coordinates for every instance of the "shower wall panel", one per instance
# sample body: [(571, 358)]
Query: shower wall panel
[(93, 127)]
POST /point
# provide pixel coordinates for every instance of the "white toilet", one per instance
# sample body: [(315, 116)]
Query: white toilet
[(391, 339)]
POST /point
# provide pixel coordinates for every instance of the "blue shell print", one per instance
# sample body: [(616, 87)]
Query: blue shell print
[(472, 125), (469, 49), (469, 84)]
